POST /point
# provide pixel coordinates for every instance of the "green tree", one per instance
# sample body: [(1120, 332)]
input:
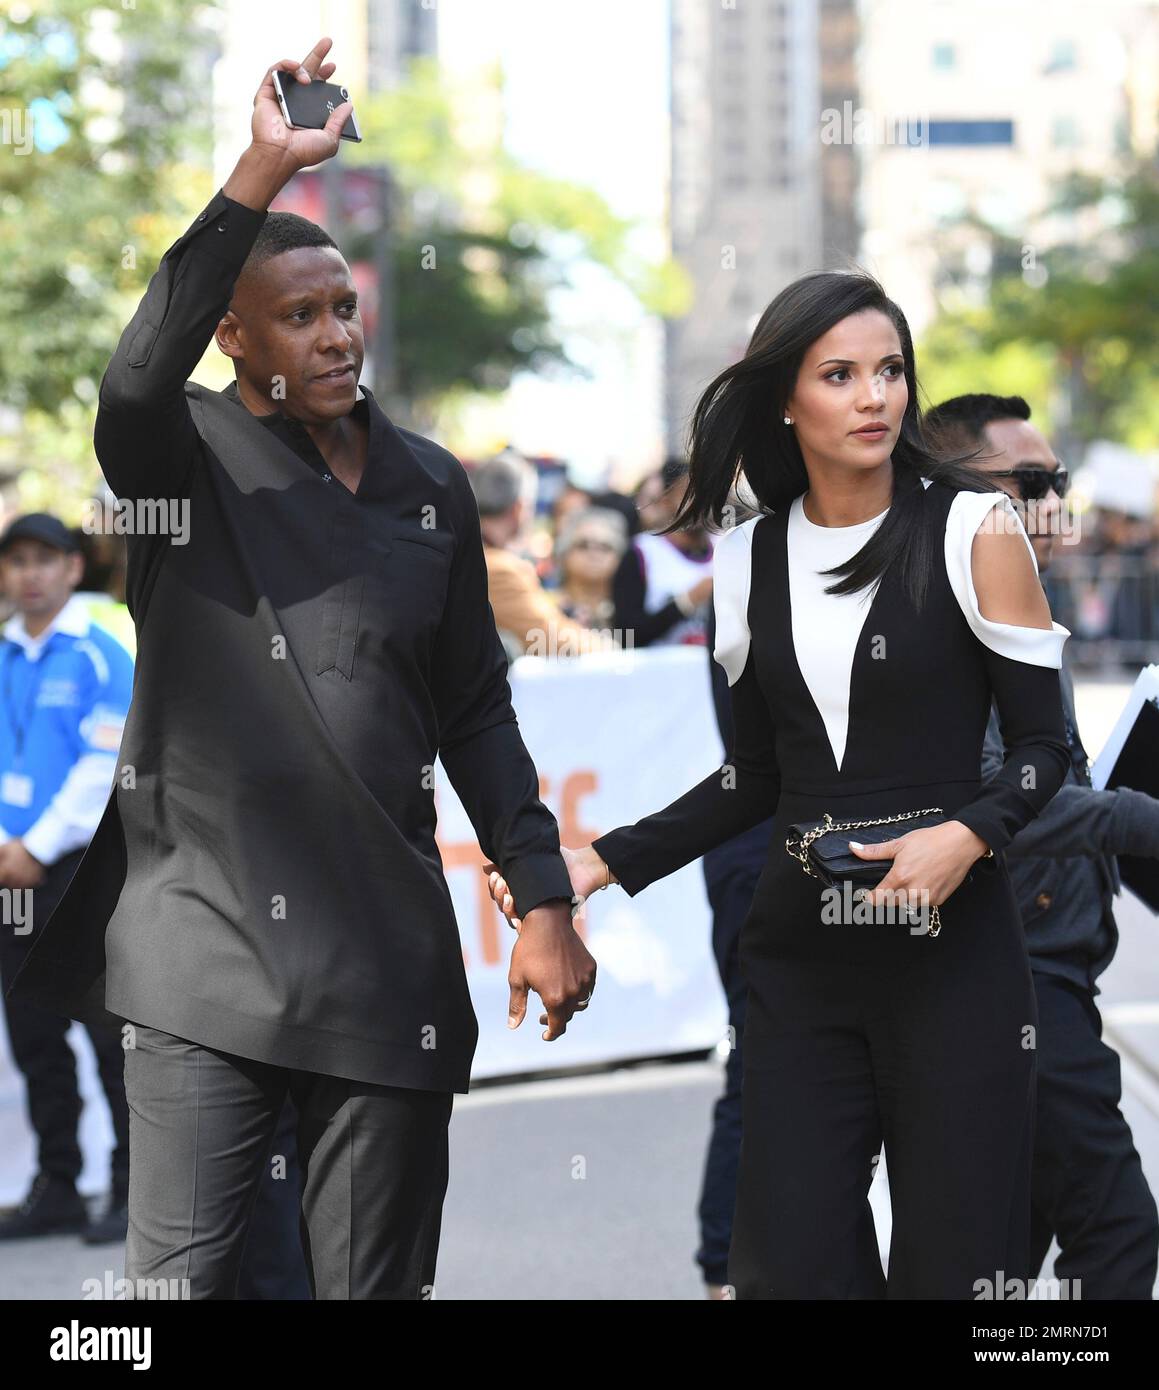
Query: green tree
[(118, 135), (1070, 322)]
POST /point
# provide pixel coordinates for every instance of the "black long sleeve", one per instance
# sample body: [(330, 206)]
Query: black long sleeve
[(1029, 701), (479, 740), (145, 438), (743, 792)]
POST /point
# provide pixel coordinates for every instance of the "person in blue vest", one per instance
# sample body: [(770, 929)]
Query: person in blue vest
[(65, 685)]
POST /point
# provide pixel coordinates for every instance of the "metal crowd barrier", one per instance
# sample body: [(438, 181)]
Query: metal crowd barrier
[(1110, 603)]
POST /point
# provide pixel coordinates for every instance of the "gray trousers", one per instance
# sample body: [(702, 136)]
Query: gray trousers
[(373, 1161)]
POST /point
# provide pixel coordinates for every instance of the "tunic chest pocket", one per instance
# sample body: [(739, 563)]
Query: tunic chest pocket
[(388, 585), (407, 590), (420, 568)]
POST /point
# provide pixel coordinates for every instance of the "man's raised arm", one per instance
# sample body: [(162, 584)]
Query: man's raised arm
[(145, 439)]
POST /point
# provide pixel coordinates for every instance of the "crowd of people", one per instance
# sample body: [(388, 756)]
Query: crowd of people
[(609, 580), (585, 570)]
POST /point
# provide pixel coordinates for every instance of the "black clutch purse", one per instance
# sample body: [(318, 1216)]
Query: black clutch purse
[(822, 847)]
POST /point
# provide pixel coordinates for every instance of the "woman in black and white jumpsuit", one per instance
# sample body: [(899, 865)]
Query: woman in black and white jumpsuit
[(865, 705)]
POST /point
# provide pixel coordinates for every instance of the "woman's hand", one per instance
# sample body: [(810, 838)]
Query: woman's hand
[(586, 869), (927, 864)]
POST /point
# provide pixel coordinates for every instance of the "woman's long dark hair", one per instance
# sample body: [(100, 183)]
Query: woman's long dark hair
[(738, 425)]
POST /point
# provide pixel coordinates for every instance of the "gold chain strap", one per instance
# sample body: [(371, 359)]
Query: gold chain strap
[(801, 851)]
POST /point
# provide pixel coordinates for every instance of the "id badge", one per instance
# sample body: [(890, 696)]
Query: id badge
[(16, 789)]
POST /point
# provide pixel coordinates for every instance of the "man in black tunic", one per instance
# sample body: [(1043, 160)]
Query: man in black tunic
[(264, 899)]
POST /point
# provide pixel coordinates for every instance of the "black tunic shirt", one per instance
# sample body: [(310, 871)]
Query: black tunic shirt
[(265, 879)]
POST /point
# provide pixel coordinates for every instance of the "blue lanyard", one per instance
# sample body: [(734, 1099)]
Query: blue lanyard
[(20, 727)]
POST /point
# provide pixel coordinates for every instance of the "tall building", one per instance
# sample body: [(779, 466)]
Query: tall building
[(757, 199), (397, 31), (998, 102), (839, 37)]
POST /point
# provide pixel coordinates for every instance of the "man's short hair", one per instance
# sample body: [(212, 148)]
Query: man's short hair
[(284, 231), (961, 421)]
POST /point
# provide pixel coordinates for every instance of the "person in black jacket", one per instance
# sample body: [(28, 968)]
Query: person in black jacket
[(1088, 1187), (264, 900)]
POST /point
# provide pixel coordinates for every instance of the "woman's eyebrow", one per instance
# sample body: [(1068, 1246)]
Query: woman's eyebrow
[(849, 362)]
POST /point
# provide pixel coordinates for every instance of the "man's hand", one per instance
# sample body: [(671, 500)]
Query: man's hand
[(269, 132), (277, 151), (18, 869), (552, 960)]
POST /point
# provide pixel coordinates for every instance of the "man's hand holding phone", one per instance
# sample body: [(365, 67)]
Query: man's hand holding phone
[(277, 151)]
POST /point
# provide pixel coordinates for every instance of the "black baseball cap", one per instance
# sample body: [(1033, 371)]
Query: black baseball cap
[(40, 526)]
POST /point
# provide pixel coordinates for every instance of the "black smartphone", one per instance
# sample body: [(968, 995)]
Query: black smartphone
[(311, 105)]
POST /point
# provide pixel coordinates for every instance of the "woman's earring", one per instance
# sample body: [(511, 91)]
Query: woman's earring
[(788, 421)]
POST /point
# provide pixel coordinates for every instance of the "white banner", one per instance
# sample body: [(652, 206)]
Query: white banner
[(614, 737)]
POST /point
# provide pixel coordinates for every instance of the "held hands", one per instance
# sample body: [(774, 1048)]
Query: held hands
[(934, 860), (295, 147), (585, 868), (549, 956)]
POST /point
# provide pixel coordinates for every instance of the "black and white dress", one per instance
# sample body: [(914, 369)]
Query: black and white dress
[(863, 1033)]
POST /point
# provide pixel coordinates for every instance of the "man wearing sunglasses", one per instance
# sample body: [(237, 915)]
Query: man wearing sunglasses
[(1088, 1187)]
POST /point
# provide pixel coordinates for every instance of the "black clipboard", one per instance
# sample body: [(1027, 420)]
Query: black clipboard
[(1137, 766)]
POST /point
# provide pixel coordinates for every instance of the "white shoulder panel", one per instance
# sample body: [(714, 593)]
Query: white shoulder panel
[(731, 583), (1034, 645)]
